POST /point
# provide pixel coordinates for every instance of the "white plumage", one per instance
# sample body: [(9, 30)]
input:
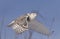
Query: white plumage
[(27, 22)]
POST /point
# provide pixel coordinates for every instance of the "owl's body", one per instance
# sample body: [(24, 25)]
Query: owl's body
[(21, 23)]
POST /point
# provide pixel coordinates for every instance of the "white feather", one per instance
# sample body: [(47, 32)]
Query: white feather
[(32, 15)]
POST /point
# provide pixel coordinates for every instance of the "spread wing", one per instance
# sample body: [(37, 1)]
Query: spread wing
[(19, 25), (39, 27)]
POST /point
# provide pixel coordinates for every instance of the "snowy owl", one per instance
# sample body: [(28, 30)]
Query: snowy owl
[(27, 22)]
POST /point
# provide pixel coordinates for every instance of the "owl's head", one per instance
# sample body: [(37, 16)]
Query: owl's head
[(32, 15)]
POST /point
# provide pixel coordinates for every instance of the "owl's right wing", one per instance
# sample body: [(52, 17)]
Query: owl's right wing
[(39, 27)]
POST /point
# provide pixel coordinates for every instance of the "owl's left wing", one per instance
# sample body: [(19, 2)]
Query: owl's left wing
[(19, 26)]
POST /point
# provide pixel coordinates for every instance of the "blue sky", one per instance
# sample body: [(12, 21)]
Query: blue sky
[(11, 9)]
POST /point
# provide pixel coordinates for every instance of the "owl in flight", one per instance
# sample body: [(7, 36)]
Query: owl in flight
[(28, 22)]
